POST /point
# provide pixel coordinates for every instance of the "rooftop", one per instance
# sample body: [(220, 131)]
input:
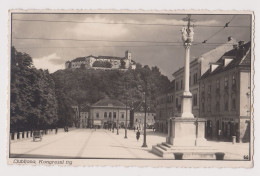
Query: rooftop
[(241, 57), (108, 102)]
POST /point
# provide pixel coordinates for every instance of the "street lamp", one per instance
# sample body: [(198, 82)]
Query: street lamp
[(126, 120), (113, 122), (117, 123), (145, 108), (125, 111)]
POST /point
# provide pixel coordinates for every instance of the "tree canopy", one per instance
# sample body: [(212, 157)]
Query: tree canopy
[(34, 104), (89, 85), (41, 100)]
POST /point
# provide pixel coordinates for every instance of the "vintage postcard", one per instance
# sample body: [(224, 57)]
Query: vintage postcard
[(131, 88)]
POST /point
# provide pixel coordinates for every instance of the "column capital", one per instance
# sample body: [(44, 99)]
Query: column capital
[(187, 44)]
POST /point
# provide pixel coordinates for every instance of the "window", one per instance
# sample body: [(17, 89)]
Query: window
[(233, 104), (181, 84), (177, 86), (114, 114), (122, 115), (218, 84), (203, 87), (105, 115), (209, 105), (203, 107), (209, 88), (177, 103), (217, 107), (226, 104), (226, 82), (195, 78), (194, 99), (110, 115), (233, 80), (97, 115)]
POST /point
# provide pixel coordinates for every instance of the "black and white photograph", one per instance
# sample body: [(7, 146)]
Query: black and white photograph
[(133, 86)]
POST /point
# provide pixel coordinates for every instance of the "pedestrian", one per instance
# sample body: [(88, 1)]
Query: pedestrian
[(137, 135), (134, 129), (219, 134)]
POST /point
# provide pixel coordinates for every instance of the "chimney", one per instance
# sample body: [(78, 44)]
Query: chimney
[(241, 43), (230, 38)]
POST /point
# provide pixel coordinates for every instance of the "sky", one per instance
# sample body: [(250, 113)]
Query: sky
[(113, 34)]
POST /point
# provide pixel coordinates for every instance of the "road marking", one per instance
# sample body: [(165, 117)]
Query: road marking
[(136, 156), (84, 145)]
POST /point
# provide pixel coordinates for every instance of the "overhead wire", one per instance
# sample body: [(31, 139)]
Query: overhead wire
[(170, 43), (223, 27), (125, 23)]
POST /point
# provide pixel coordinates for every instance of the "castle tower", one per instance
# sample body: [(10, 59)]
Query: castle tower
[(128, 58)]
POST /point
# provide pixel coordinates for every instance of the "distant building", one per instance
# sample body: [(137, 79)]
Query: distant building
[(107, 112), (225, 94), (102, 62), (165, 108), (198, 67), (76, 118), (84, 117), (139, 115)]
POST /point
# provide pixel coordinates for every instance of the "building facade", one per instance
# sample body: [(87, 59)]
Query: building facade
[(102, 62), (139, 115), (109, 112), (84, 117), (165, 108), (225, 90), (198, 67)]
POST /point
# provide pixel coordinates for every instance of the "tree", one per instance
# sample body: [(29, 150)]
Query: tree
[(33, 99)]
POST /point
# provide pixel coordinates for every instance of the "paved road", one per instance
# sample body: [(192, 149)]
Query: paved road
[(86, 143), (100, 143)]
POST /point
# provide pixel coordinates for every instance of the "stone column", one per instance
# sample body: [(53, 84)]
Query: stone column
[(169, 138), (15, 136), (187, 96), (20, 135)]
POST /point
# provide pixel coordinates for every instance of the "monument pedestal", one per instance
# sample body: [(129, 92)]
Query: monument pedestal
[(186, 137), (186, 132)]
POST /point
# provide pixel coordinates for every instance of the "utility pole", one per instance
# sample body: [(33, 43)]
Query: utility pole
[(145, 109), (117, 123), (125, 110)]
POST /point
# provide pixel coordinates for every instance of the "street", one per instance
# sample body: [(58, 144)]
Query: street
[(101, 143)]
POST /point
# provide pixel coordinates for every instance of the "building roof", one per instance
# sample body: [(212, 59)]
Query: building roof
[(241, 57), (109, 102), (78, 59)]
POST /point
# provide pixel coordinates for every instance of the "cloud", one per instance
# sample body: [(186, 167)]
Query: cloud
[(51, 62), (97, 30)]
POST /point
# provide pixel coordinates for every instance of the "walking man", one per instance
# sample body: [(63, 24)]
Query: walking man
[(137, 135)]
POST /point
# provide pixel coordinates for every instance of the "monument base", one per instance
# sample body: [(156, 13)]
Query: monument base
[(186, 132), (168, 151), (186, 138)]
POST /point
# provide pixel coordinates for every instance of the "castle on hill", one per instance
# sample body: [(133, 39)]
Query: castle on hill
[(102, 62)]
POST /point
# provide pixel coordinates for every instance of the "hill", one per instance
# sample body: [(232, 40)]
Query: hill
[(86, 86)]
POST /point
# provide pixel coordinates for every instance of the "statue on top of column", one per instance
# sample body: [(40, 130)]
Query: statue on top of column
[(187, 34)]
